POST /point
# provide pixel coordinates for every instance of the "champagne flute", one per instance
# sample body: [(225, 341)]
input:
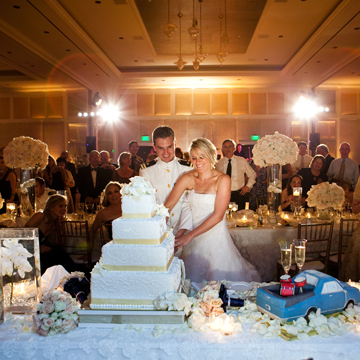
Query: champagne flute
[(300, 250), (297, 194), (286, 251)]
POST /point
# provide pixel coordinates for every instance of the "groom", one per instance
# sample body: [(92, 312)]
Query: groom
[(163, 172)]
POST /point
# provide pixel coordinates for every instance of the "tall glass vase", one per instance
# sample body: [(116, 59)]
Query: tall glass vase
[(274, 188), (21, 275), (27, 191)]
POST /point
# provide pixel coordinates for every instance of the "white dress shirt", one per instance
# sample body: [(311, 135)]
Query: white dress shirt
[(296, 166), (351, 172), (239, 167), (162, 176)]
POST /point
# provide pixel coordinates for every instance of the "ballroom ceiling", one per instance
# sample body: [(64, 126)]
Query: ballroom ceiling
[(108, 45)]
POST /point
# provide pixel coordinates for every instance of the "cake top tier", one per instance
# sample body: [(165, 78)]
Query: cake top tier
[(137, 187)]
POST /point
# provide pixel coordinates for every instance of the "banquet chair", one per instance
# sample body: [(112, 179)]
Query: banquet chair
[(105, 233), (347, 228), (318, 246), (75, 240)]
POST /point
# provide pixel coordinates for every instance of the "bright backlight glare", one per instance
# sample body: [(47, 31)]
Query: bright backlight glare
[(110, 113), (305, 108)]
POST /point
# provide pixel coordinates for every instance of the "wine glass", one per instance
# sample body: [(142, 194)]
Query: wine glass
[(297, 195), (286, 251), (300, 249), (89, 208)]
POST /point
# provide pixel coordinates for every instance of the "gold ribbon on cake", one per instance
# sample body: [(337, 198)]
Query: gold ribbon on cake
[(139, 215), (140, 241), (138, 268)]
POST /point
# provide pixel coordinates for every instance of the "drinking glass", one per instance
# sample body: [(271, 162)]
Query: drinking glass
[(89, 208), (300, 249), (297, 196), (286, 251)]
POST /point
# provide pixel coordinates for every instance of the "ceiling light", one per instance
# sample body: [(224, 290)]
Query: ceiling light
[(169, 28), (194, 31), (180, 63)]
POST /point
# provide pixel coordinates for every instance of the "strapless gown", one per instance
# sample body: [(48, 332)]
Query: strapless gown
[(213, 255)]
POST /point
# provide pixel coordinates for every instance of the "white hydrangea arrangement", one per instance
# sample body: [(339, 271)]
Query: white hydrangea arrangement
[(275, 149), (57, 313), (138, 186), (326, 195), (26, 153)]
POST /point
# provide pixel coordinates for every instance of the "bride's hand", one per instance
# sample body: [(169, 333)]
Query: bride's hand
[(182, 241), (180, 233)]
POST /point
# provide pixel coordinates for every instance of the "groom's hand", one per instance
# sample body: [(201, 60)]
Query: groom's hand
[(245, 189)]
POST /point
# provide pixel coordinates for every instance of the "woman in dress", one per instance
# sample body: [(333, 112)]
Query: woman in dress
[(123, 173), (287, 194), (7, 184), (51, 253), (53, 175), (312, 175), (112, 208), (208, 250)]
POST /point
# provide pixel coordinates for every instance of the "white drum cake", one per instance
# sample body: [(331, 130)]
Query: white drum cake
[(139, 264)]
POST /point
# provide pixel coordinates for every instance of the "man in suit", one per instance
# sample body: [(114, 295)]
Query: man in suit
[(344, 168), (136, 161), (92, 179), (236, 167), (323, 150), (303, 160), (163, 172)]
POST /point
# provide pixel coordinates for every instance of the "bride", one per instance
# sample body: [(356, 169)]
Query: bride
[(208, 250)]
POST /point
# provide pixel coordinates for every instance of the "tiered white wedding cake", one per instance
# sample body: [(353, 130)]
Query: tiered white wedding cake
[(139, 264)]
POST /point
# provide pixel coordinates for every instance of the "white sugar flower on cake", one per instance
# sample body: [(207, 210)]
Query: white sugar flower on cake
[(138, 187), (326, 195), (161, 210), (275, 149)]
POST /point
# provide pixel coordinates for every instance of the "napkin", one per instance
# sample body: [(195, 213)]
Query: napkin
[(51, 278)]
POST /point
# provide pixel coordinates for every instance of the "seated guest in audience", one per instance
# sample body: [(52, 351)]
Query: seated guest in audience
[(53, 175), (72, 168), (105, 161), (312, 175), (286, 173), (259, 188), (112, 207), (93, 179), (303, 160), (236, 167), (123, 173), (136, 161), (287, 194), (51, 253), (349, 193), (151, 157), (7, 185), (178, 153), (323, 150), (68, 181), (344, 168), (41, 194), (350, 268)]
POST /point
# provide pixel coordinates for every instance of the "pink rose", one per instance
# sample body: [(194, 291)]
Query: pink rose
[(46, 297), (217, 311), (68, 300), (206, 288), (69, 309), (48, 307), (62, 297), (48, 322), (36, 321), (43, 332), (207, 298), (216, 303), (67, 326), (206, 307)]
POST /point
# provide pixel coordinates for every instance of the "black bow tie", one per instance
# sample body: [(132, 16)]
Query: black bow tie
[(94, 169)]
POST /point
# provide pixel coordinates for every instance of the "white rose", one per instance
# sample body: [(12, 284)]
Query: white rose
[(60, 306)]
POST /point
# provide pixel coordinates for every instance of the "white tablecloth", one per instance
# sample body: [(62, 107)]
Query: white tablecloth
[(260, 246), (90, 343)]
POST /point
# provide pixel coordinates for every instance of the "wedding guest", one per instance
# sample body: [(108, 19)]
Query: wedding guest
[(7, 185), (123, 173), (303, 160), (72, 168), (236, 167), (68, 181), (323, 150), (240, 152), (93, 179), (287, 194), (41, 194), (286, 174), (186, 156), (344, 168), (112, 208), (163, 172), (51, 253), (259, 188), (53, 175), (151, 157), (105, 161), (312, 175), (136, 161), (178, 153)]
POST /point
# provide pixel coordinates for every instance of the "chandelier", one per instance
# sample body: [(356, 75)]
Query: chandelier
[(180, 63), (169, 28)]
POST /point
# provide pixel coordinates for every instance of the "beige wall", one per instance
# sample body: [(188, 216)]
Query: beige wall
[(216, 114)]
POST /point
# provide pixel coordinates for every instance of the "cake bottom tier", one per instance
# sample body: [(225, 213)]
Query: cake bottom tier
[(133, 289)]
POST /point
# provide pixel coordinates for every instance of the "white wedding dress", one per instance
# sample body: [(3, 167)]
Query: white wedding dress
[(213, 255)]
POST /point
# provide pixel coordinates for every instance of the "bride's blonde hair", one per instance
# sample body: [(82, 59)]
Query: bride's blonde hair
[(207, 147)]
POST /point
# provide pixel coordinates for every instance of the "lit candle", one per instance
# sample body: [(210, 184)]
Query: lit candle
[(246, 206), (308, 215), (244, 218), (296, 193), (228, 327), (11, 206), (215, 323), (286, 216)]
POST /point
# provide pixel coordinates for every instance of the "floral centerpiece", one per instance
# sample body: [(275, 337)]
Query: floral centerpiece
[(326, 195), (273, 151), (57, 313), (137, 187), (26, 153)]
